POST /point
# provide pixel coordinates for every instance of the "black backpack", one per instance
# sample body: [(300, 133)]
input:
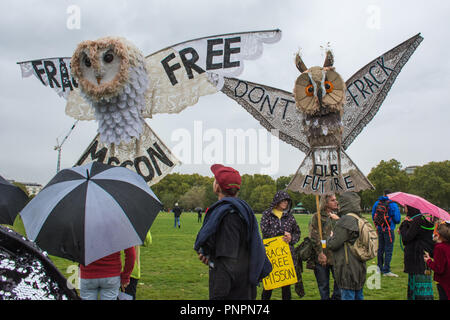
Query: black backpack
[(381, 217)]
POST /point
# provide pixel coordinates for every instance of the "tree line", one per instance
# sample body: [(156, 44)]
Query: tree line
[(430, 181)]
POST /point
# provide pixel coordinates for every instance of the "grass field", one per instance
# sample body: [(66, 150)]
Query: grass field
[(171, 270)]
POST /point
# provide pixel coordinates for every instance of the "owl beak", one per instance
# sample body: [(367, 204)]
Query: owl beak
[(98, 80), (319, 97)]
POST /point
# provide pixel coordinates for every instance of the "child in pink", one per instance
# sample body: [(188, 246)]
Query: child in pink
[(440, 263)]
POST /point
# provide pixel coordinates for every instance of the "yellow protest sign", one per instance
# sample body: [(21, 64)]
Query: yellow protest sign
[(283, 270)]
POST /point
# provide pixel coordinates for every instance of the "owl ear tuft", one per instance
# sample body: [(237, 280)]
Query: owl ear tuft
[(329, 59), (300, 64)]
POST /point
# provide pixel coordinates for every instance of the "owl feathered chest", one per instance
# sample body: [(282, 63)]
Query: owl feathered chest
[(120, 117), (323, 128)]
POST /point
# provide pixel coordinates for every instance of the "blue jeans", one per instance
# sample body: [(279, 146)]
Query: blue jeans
[(385, 249), (107, 288), (323, 282), (177, 221), (352, 294)]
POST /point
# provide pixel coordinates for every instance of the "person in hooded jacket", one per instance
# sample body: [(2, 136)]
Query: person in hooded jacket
[(417, 237), (349, 270), (323, 262), (278, 221)]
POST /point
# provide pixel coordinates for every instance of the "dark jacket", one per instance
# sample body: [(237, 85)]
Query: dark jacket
[(259, 264), (351, 275), (176, 211), (271, 226), (417, 237)]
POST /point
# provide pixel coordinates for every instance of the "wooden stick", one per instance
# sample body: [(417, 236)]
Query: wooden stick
[(319, 221)]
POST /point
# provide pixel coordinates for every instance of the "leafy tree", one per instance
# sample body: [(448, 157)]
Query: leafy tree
[(432, 182), (386, 175), (195, 197), (282, 182), (250, 182), (168, 200), (261, 197)]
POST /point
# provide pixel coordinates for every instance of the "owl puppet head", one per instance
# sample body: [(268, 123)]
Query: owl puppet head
[(102, 66), (113, 78), (319, 90), (319, 93)]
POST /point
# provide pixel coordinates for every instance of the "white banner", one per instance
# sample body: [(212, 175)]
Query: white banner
[(148, 156), (52, 72), (218, 55), (327, 170)]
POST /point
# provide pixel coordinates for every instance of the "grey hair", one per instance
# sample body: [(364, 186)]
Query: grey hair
[(324, 201)]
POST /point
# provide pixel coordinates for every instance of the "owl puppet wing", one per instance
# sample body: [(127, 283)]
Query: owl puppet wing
[(174, 78), (324, 139)]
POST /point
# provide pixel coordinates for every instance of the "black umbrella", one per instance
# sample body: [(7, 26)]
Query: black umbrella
[(12, 200), (26, 273), (88, 212)]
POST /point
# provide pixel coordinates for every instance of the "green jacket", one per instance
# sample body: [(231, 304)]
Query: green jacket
[(327, 226), (136, 273), (349, 273)]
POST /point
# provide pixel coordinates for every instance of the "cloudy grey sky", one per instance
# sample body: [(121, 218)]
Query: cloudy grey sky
[(412, 125)]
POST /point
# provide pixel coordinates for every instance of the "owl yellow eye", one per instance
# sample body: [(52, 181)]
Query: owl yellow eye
[(309, 90), (87, 61), (328, 86), (108, 57)]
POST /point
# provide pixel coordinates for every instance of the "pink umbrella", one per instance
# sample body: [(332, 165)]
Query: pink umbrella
[(420, 203)]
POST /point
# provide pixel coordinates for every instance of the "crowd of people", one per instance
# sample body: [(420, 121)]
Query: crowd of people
[(229, 242)]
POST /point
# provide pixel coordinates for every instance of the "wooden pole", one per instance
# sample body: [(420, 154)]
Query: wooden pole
[(319, 221)]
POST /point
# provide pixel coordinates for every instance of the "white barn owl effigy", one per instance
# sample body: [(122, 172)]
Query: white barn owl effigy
[(113, 78), (109, 80)]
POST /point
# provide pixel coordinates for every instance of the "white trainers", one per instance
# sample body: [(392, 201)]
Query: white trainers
[(390, 274)]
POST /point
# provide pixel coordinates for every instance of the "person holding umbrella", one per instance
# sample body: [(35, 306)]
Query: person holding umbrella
[(417, 237), (89, 213), (103, 278)]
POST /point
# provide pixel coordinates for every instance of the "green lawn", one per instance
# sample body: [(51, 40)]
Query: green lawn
[(171, 269)]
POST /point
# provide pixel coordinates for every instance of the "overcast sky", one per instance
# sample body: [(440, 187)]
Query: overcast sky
[(412, 125)]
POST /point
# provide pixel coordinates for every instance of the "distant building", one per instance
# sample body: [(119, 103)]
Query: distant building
[(410, 169), (33, 188)]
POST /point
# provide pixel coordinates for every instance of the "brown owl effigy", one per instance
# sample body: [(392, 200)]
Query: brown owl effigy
[(319, 94), (323, 115)]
